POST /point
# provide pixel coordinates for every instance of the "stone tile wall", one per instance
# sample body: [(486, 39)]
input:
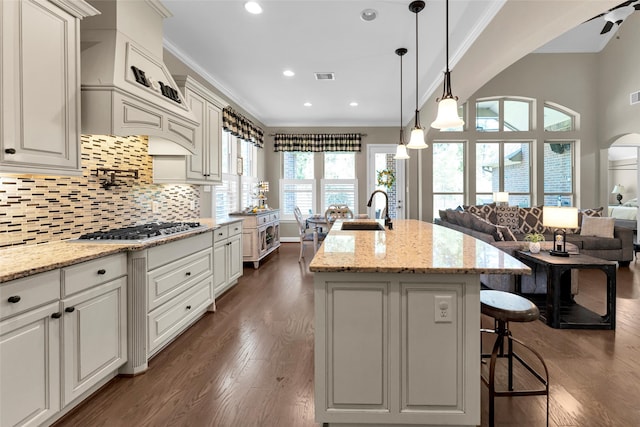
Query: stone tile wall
[(37, 209)]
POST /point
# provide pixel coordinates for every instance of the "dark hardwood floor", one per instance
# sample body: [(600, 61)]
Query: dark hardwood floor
[(251, 362)]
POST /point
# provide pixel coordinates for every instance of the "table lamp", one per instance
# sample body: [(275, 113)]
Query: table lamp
[(501, 198), (559, 218), (618, 189)]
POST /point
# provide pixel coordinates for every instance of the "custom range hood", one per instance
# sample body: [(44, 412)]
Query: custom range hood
[(126, 88)]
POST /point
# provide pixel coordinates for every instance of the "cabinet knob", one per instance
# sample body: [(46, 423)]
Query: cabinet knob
[(70, 309), (236, 229), (188, 273), (188, 307), (102, 271), (56, 315), (14, 299), (219, 234), (10, 151)]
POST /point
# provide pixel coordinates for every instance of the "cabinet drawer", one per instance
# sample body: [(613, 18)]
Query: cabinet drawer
[(29, 292), (164, 254), (92, 273), (165, 322), (171, 279), (220, 233), (263, 219), (275, 216), (235, 228)]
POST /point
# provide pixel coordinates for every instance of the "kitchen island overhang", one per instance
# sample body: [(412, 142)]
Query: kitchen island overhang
[(397, 335)]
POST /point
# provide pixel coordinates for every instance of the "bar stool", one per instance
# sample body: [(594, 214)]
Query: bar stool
[(505, 307)]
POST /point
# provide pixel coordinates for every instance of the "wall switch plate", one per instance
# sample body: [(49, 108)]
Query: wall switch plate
[(443, 308), (155, 206)]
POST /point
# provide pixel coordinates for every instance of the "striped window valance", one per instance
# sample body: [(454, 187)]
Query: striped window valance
[(318, 142), (243, 128)]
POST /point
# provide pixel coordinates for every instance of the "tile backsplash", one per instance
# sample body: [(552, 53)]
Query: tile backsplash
[(37, 209)]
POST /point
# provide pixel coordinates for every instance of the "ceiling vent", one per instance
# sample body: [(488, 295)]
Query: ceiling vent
[(325, 76), (635, 97)]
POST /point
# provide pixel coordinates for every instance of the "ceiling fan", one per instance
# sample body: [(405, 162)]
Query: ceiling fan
[(618, 14)]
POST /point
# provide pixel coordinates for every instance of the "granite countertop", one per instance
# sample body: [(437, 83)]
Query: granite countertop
[(258, 212), (22, 261), (411, 247)]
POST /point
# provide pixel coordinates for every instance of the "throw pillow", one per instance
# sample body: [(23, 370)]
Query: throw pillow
[(484, 226), (443, 214), (507, 234), (508, 216), (586, 212), (484, 211), (530, 220), (598, 226)]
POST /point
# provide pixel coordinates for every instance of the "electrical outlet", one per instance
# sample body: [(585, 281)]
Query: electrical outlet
[(443, 308), (155, 206), (193, 205)]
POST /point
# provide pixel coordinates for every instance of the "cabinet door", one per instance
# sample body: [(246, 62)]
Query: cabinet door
[(196, 163), (40, 88), (234, 251), (30, 367), (213, 144), (95, 336), (219, 267)]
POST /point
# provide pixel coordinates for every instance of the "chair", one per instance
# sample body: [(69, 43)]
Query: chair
[(505, 307), (306, 235), (334, 212)]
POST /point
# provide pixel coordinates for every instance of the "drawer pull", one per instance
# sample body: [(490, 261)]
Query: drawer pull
[(188, 307), (70, 309), (10, 151), (14, 299), (219, 234), (236, 229), (188, 273), (102, 271), (56, 315)]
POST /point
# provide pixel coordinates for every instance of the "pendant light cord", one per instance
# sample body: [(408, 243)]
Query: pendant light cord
[(417, 119), (447, 30)]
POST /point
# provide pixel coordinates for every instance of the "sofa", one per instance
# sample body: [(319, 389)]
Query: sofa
[(506, 227)]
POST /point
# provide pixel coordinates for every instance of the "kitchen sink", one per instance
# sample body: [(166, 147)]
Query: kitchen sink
[(374, 226)]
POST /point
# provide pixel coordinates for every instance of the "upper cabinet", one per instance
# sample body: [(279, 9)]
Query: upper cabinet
[(204, 165), (40, 86)]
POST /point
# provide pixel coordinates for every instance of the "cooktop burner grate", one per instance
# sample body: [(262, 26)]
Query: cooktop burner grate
[(141, 232)]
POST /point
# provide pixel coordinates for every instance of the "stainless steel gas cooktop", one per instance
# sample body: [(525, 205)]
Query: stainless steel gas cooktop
[(139, 233)]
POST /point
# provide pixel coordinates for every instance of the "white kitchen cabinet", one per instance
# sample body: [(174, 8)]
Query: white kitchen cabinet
[(204, 165), (40, 86), (227, 255), (260, 235), (30, 349), (95, 323), (171, 287)]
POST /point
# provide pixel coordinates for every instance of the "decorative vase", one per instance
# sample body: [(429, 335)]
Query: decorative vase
[(534, 247)]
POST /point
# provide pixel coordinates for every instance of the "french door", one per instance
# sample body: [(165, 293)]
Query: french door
[(380, 162)]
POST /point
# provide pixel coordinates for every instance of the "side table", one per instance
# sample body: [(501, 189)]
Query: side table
[(557, 308)]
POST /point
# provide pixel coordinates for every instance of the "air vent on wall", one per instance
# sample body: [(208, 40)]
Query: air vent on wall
[(325, 76), (635, 97)]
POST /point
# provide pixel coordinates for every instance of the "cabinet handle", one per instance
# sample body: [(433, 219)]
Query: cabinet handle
[(14, 299), (188, 307), (188, 273), (10, 151), (102, 271), (56, 315), (236, 229), (70, 309), (219, 234)]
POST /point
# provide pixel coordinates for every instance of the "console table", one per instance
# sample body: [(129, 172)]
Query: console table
[(558, 308), (260, 234)]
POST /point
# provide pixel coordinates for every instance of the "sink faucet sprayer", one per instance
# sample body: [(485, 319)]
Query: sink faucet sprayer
[(387, 219)]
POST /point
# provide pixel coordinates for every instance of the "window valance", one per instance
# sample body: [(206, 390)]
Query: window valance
[(318, 142), (243, 128)]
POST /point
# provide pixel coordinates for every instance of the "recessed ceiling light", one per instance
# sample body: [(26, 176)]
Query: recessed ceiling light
[(307, 104), (368, 15), (288, 73), (353, 104), (253, 7)]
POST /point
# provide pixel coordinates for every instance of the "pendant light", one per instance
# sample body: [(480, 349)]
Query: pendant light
[(401, 150), (417, 133), (448, 104)]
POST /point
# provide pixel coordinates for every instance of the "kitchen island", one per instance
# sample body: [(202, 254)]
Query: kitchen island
[(397, 324)]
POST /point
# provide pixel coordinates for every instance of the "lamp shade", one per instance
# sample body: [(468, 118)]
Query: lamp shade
[(417, 139), (401, 152), (559, 217), (447, 115), (501, 196), (617, 189)]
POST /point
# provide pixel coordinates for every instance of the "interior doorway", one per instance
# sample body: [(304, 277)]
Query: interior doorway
[(381, 167)]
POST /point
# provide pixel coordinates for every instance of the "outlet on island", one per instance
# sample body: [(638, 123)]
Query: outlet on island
[(443, 308)]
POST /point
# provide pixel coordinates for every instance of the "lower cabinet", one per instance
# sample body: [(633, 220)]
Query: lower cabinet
[(227, 255), (62, 333)]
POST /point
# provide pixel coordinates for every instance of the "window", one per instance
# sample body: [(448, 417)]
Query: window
[(448, 175), (516, 115), (503, 166), (236, 191), (557, 120), (297, 188), (339, 185), (558, 173), (487, 116)]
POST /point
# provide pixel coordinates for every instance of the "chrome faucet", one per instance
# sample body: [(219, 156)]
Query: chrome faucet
[(387, 219)]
